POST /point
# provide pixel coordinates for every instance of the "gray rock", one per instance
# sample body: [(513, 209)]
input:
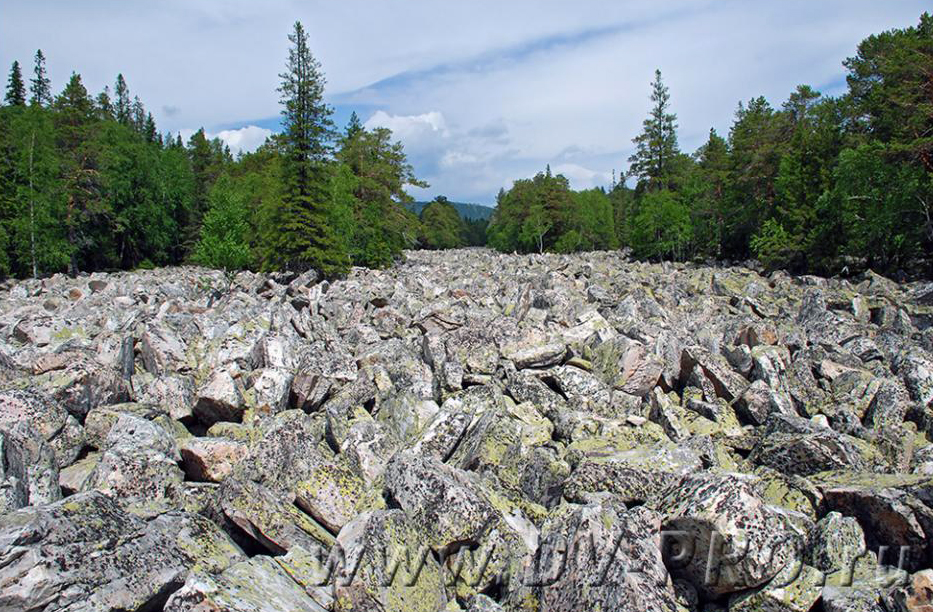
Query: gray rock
[(597, 557), (86, 552), (751, 541)]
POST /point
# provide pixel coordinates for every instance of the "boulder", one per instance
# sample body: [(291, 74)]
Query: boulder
[(219, 399), (87, 552), (727, 538), (597, 557), (386, 565), (48, 418)]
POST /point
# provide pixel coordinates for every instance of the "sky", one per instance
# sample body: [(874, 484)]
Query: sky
[(480, 92)]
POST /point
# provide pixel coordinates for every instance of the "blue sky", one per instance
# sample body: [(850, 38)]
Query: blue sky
[(481, 92)]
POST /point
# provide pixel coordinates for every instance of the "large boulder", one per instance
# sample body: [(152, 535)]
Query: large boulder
[(87, 553), (597, 557), (386, 565), (725, 537), (49, 419)]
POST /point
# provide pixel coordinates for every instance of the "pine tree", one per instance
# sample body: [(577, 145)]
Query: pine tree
[(301, 235), (656, 147), (122, 106), (138, 119), (40, 85), (15, 90), (149, 129), (354, 126), (84, 220), (104, 104)]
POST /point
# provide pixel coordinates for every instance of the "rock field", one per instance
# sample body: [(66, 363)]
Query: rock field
[(467, 431)]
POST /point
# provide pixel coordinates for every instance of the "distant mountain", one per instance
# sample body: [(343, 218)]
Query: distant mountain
[(467, 211)]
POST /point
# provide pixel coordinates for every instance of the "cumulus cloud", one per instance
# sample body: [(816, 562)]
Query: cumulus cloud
[(244, 140), (581, 177)]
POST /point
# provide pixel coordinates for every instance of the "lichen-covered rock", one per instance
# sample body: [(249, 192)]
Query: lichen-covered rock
[(444, 503), (634, 475), (219, 399), (210, 459), (139, 465), (750, 541), (87, 553), (489, 401), (270, 520), (49, 419), (596, 557), (917, 596), (254, 585), (820, 451), (835, 545), (797, 590), (386, 565), (889, 509), (28, 471)]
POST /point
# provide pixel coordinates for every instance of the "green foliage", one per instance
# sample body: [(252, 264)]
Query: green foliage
[(40, 85), (533, 215), (373, 175), (593, 226), (225, 231), (662, 227), (773, 245), (441, 225), (879, 201), (15, 89), (818, 184)]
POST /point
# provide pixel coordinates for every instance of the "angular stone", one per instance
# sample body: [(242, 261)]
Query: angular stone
[(750, 541), (86, 552), (219, 399), (49, 419), (210, 459), (255, 585), (597, 557), (387, 566), (28, 469)]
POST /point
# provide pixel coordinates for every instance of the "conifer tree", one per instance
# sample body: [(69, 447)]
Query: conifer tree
[(656, 147), (300, 235), (105, 104), (40, 85), (122, 105), (15, 90)]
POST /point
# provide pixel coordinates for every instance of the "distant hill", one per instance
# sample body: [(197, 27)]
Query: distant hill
[(467, 211)]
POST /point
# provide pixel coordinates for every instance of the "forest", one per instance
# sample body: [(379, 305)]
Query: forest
[(819, 184)]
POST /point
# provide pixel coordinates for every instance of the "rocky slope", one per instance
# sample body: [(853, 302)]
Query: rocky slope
[(467, 431)]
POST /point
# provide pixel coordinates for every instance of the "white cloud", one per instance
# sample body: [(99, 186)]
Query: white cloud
[(410, 127), (244, 140), (581, 177)]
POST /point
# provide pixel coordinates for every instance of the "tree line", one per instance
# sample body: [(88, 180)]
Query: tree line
[(88, 183), (821, 184)]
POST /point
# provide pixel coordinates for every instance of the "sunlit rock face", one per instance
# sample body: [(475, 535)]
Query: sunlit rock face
[(466, 430)]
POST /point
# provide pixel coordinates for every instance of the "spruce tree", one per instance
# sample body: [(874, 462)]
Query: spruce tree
[(104, 104), (301, 235), (354, 126), (15, 90), (122, 106), (656, 147), (40, 85)]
